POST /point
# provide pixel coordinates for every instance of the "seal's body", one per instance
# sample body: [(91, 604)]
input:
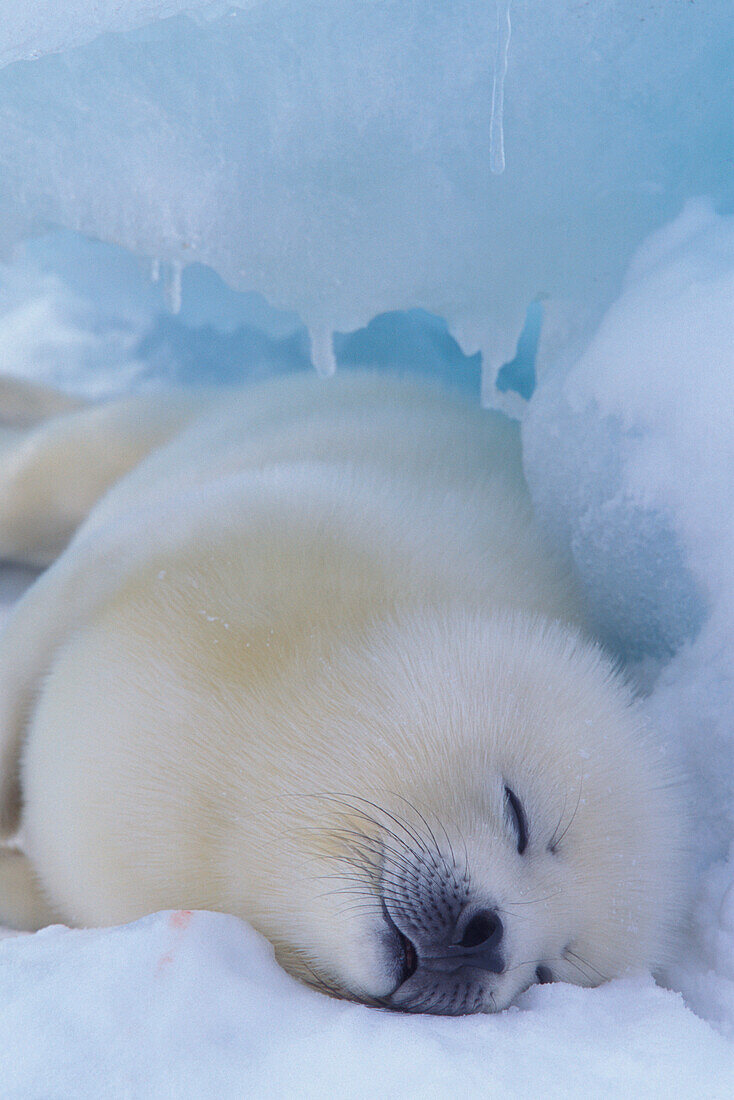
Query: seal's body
[(307, 662)]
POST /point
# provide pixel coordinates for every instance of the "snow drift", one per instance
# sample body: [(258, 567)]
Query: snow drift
[(191, 1004)]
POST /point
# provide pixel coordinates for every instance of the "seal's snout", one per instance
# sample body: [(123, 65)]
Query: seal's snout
[(446, 973), (483, 932), (478, 946)]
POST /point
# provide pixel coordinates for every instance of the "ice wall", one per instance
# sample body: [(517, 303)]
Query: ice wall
[(37, 27), (336, 156)]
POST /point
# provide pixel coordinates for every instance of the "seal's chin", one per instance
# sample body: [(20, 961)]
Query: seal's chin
[(374, 964)]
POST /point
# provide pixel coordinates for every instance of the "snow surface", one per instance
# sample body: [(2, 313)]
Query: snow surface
[(192, 1005)]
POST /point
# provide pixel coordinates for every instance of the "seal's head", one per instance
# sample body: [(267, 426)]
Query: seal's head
[(496, 815)]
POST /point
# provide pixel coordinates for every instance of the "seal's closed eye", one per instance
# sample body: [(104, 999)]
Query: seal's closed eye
[(517, 816)]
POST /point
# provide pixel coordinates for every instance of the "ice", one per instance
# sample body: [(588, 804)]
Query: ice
[(336, 157), (629, 453), (172, 286), (91, 319), (322, 353), (37, 27), (496, 131), (192, 1004)]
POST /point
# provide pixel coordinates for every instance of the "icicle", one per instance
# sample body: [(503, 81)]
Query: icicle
[(322, 353), (496, 132), (172, 286)]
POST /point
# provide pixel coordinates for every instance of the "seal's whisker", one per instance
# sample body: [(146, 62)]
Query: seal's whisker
[(344, 800), (377, 847), (401, 823), (394, 836), (450, 845), (573, 815), (322, 986), (527, 962), (576, 966), (585, 962), (466, 854), (552, 841), (416, 811), (363, 909), (534, 901)]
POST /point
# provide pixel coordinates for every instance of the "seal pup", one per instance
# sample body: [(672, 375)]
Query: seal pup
[(305, 659)]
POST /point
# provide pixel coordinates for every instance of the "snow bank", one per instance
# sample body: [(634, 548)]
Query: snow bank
[(630, 457), (192, 1004), (337, 156)]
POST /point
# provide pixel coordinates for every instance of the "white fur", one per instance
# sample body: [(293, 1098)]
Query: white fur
[(319, 595)]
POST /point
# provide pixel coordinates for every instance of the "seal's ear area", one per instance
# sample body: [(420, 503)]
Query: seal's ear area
[(59, 455)]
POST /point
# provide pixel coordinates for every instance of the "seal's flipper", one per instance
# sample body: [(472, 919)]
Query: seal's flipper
[(58, 457), (22, 903)]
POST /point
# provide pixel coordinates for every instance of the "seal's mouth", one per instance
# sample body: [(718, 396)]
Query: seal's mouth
[(407, 954), (410, 958)]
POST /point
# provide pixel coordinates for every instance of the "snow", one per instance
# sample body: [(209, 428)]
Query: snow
[(190, 1005), (629, 454), (272, 183)]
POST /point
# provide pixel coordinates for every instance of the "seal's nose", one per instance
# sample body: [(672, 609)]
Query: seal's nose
[(483, 930), (479, 946)]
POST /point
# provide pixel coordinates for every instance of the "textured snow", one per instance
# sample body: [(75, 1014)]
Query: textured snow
[(336, 156), (191, 1005)]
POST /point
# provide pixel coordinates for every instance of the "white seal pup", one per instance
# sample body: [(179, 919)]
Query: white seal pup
[(307, 661)]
